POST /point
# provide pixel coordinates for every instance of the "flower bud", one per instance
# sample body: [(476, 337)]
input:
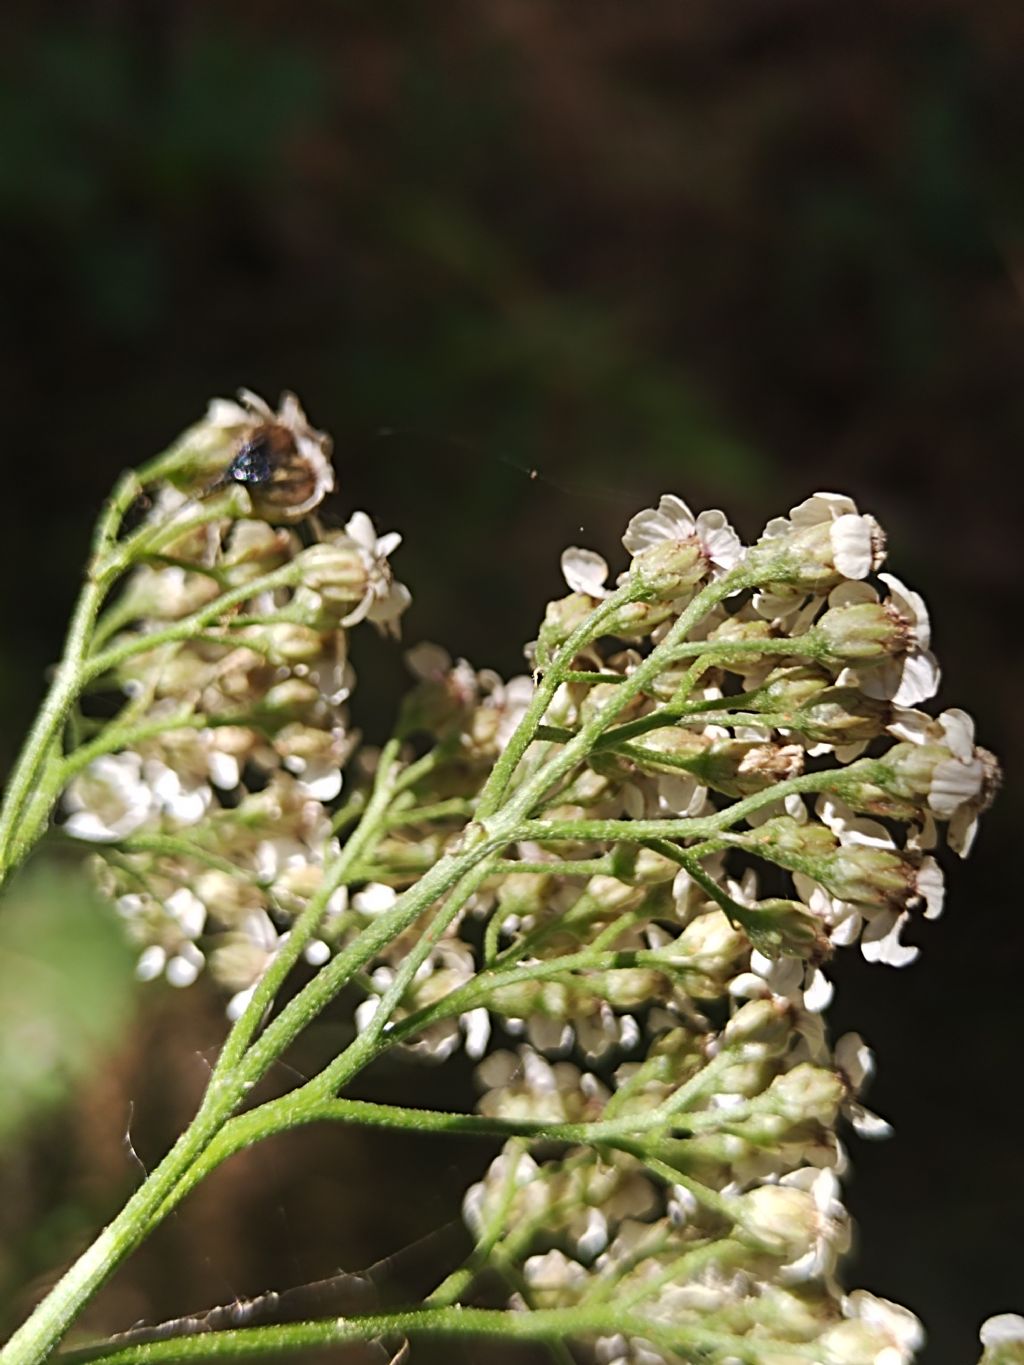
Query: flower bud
[(806, 1094), (288, 643), (293, 697), (760, 1028), (669, 568), (738, 629), (601, 693), (166, 594), (315, 756), (791, 688), (644, 867), (782, 1220), (669, 750), (710, 943), (842, 715), (554, 1280), (866, 631), (823, 541), (254, 548), (635, 620), (791, 843), (942, 768), (562, 617), (335, 569), (736, 767), (786, 928)]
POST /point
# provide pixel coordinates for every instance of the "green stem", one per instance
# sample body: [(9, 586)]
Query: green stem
[(16, 837), (229, 1084), (189, 626), (694, 827), (487, 1324), (309, 921), (527, 796), (36, 1338), (524, 733)]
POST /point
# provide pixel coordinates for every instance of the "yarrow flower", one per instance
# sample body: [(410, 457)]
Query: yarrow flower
[(667, 832), (673, 521)]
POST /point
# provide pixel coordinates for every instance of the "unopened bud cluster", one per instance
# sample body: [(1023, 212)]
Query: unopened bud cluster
[(217, 825), (687, 1019)]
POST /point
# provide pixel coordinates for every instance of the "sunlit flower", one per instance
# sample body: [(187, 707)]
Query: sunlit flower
[(672, 521), (384, 599), (957, 778)]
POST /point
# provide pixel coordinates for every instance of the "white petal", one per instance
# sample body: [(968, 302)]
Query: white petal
[(920, 678), (224, 770), (151, 962), (880, 941), (236, 1005), (852, 594), (84, 824), (910, 605), (958, 728), (852, 550), (320, 783), (673, 520), (365, 1011), (428, 661), (361, 529), (953, 784), (854, 1059), (188, 910), (890, 1318), (749, 986), (962, 830), (585, 571), (818, 995), (476, 1025), (316, 952), (185, 966), (388, 544), (1002, 1329), (931, 885), (720, 542), (912, 726), (374, 898), (595, 1238), (821, 507), (868, 1125)]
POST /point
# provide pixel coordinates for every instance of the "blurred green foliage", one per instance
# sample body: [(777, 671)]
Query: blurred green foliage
[(66, 990)]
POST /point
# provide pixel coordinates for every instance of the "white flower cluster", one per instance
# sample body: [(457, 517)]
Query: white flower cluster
[(755, 791), (713, 1022)]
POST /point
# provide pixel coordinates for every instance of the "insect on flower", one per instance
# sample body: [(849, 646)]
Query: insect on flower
[(269, 461), (281, 460)]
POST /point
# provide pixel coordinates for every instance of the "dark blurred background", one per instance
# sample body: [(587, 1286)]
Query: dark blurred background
[(739, 251)]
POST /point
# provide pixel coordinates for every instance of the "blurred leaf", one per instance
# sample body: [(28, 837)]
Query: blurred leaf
[(66, 989)]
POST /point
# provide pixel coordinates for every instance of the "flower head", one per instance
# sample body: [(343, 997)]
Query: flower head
[(673, 522)]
